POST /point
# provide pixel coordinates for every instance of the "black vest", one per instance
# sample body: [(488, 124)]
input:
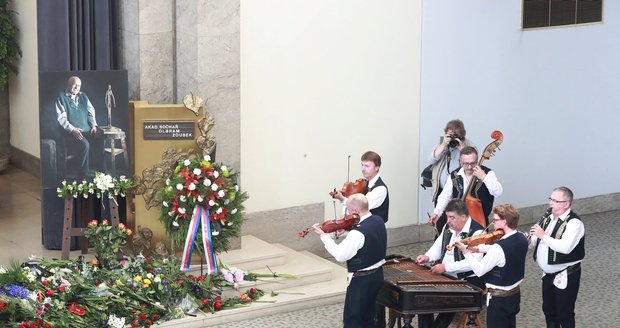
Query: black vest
[(577, 254), (375, 244), (458, 256), (384, 208), (479, 190), (515, 252)]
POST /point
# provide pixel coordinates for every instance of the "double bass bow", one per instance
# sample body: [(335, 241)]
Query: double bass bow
[(474, 204)]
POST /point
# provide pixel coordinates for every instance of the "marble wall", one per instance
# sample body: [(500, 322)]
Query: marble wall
[(172, 48)]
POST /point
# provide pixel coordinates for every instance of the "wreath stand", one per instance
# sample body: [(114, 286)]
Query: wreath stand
[(67, 229)]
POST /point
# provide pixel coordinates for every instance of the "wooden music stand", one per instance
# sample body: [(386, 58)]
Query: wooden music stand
[(67, 229)]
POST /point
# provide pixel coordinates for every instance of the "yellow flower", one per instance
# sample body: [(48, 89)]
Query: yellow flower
[(137, 278), (147, 281)]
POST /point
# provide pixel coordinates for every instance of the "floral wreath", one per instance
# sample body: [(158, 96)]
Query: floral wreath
[(101, 184), (198, 182)]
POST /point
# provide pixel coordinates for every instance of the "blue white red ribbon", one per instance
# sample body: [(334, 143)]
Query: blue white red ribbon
[(200, 216)]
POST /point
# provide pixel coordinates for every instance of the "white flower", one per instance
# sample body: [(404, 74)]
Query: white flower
[(207, 182), (149, 275), (229, 223), (224, 168), (171, 213), (221, 193), (199, 199), (182, 210), (58, 190), (2, 270), (216, 174), (233, 211), (197, 171), (164, 203), (214, 187), (167, 182), (169, 188), (215, 233), (191, 186), (182, 198), (175, 224), (226, 201), (186, 162), (116, 322), (219, 211), (157, 279), (211, 203), (236, 187), (179, 186), (207, 158)]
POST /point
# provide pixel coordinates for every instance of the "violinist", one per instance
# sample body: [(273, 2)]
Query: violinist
[(486, 189), (364, 250), (452, 262), (505, 264), (377, 195)]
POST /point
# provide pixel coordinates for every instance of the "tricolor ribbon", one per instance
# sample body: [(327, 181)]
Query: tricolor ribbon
[(199, 217)]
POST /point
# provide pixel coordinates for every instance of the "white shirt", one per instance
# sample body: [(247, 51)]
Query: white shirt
[(348, 247), (490, 180), (452, 267), (570, 238), (494, 257)]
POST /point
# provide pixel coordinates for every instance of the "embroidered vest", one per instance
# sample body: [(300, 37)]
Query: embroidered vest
[(384, 208), (458, 256), (375, 244), (577, 254), (515, 252), (479, 190)]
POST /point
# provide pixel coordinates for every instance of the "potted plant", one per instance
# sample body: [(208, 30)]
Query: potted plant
[(9, 49)]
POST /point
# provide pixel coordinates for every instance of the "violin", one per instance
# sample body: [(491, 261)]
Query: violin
[(350, 188), (346, 223), (476, 240)]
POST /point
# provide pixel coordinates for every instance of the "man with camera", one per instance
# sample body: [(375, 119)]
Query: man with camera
[(486, 189), (445, 158)]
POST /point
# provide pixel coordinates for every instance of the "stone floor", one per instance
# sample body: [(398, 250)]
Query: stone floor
[(598, 303)]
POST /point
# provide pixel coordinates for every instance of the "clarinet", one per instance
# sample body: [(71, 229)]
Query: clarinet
[(541, 220)]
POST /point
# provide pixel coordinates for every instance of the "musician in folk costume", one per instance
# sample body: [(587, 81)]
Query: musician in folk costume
[(486, 188), (377, 192), (459, 226), (503, 267), (364, 250), (558, 242)]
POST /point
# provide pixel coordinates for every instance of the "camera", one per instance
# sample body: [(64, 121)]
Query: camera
[(453, 140)]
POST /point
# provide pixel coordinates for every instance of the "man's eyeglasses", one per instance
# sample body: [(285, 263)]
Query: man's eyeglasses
[(472, 164), (557, 201)]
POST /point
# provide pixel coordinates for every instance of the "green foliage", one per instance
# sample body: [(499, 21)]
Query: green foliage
[(108, 241), (9, 49)]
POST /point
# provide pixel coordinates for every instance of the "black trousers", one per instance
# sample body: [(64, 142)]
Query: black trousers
[(82, 150), (359, 305), (502, 311), (559, 304)]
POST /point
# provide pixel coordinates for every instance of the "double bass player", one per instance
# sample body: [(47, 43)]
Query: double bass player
[(486, 187)]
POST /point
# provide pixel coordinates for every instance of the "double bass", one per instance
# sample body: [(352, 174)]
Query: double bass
[(474, 204)]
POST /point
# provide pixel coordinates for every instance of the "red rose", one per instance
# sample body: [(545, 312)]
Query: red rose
[(49, 292), (134, 324), (47, 325), (217, 306), (180, 281), (45, 282), (149, 323), (142, 317), (76, 309), (205, 301), (252, 290), (155, 316), (61, 289)]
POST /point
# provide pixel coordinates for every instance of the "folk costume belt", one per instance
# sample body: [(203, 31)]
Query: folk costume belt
[(503, 293), (570, 270), (365, 272)]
